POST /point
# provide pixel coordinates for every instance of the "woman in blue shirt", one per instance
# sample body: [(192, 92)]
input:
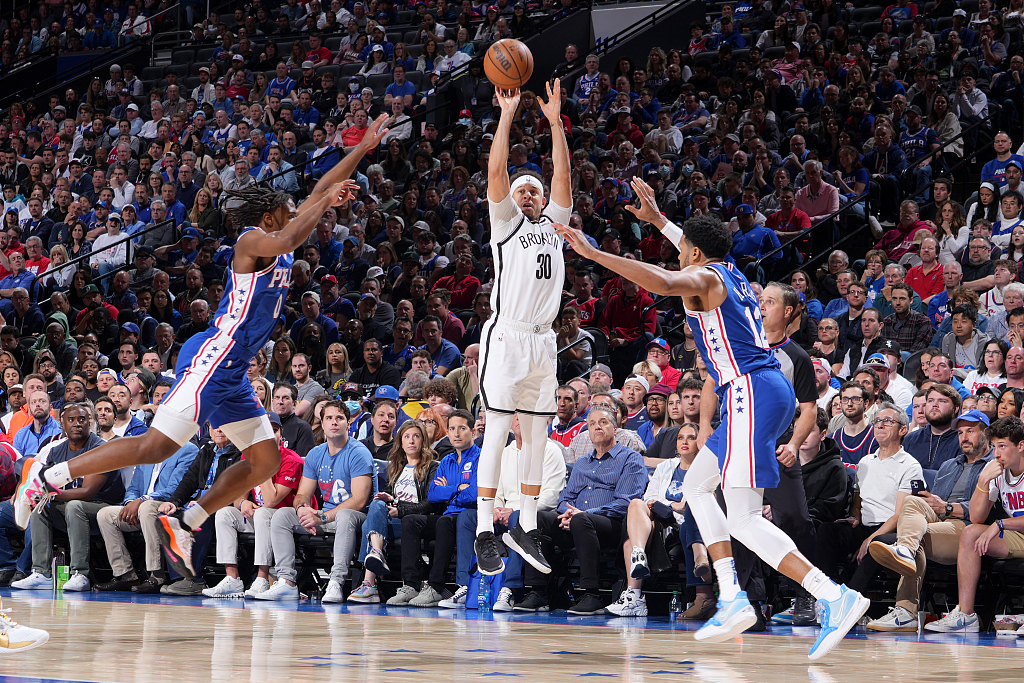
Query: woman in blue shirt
[(801, 282)]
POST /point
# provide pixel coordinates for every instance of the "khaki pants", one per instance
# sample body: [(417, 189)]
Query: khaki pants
[(920, 530), (112, 529), (230, 522)]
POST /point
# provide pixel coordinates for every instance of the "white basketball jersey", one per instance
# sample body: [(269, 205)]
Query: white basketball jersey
[(528, 263)]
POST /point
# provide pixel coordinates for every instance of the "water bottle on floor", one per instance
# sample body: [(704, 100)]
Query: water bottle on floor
[(484, 595), (675, 608)]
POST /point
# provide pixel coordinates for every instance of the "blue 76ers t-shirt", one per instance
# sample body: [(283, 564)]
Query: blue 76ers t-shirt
[(334, 473)]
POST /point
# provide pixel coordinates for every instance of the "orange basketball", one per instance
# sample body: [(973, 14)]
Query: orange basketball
[(508, 64)]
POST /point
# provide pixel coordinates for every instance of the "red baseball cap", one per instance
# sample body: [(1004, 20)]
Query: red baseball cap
[(328, 278)]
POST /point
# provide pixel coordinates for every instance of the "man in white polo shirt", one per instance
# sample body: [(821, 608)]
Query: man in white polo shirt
[(883, 480)]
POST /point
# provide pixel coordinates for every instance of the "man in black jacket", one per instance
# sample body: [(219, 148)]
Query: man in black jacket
[(214, 457), (826, 482), (296, 432), (376, 372)]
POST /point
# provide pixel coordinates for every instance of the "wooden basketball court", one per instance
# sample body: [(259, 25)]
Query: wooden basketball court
[(119, 638)]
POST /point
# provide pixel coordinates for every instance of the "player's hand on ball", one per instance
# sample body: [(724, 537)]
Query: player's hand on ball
[(576, 239), (648, 209), (508, 100)]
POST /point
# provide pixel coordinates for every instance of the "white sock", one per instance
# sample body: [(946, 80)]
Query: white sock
[(484, 515), (195, 516), (528, 513), (636, 591), (59, 475), (728, 587), (820, 586)]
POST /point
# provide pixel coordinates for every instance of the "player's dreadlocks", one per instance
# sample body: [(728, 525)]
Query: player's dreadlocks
[(254, 202)]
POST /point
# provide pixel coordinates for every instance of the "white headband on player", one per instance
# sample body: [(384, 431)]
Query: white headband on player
[(526, 180)]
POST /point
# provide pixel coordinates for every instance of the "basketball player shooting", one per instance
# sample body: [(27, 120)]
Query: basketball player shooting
[(211, 380), (517, 347), (759, 404)]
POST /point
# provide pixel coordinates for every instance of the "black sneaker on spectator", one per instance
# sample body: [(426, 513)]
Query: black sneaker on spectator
[(489, 551), (527, 544), (588, 604), (533, 602), (803, 610), (375, 562), (761, 625)]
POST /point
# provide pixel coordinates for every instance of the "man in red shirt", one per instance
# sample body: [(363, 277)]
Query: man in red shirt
[(590, 306), (462, 285), (926, 279), (626, 126), (318, 54), (789, 221), (36, 262), (252, 514), (627, 333), (658, 351)]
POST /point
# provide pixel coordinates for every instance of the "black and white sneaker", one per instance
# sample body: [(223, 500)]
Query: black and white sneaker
[(527, 544), (489, 551), (533, 602)]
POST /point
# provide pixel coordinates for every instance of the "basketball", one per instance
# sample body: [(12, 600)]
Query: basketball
[(508, 64)]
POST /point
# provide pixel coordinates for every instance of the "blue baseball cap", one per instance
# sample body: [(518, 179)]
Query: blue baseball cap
[(352, 240), (744, 208), (386, 391), (661, 344), (274, 418), (190, 232), (131, 327), (972, 416), (875, 361)]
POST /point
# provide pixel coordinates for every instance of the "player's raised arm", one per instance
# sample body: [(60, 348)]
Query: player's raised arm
[(344, 169), (497, 168), (561, 185), (259, 244), (689, 282)]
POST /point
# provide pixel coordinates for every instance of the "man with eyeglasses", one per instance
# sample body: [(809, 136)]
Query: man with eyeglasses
[(856, 438), (931, 523), (399, 353), (883, 479), (452, 59)]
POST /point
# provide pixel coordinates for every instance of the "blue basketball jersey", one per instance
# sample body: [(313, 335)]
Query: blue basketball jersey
[(252, 303), (730, 338)]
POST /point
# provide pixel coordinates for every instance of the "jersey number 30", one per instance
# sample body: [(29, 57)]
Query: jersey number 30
[(543, 266)]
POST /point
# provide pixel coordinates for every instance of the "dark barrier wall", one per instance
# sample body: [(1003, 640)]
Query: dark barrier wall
[(672, 31), (548, 48)]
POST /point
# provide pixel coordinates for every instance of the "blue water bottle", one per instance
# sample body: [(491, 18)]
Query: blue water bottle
[(484, 595)]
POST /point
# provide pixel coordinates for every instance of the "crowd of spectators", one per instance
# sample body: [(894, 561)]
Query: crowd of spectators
[(909, 356)]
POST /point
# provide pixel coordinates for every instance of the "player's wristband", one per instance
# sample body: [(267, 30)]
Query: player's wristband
[(673, 233)]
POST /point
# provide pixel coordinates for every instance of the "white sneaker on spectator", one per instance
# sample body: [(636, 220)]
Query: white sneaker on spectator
[(404, 595), (505, 602), (333, 592), (955, 622), (78, 583), (428, 597), (638, 568), (457, 601), (279, 591), (629, 604), (898, 619), (260, 585), (34, 581), (227, 588)]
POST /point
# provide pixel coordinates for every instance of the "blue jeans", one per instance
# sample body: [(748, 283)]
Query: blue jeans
[(465, 535), (922, 181), (378, 520), (8, 560), (103, 269), (690, 534)]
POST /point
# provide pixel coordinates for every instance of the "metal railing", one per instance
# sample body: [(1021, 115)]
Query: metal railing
[(128, 238)]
